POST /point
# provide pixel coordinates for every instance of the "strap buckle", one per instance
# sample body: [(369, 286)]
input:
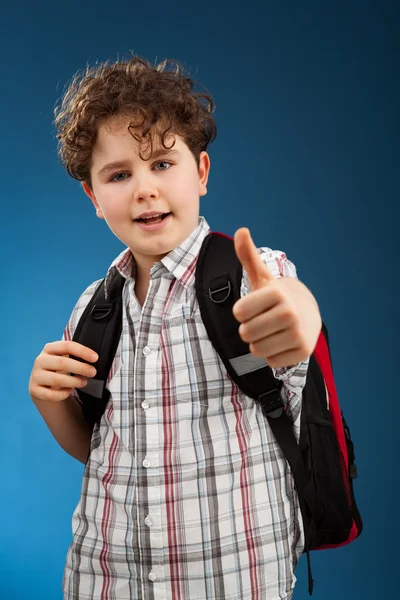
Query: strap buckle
[(272, 406), (222, 290), (101, 311)]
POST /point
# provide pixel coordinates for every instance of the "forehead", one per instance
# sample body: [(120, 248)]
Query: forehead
[(120, 132)]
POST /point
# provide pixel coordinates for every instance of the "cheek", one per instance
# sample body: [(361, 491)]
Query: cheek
[(114, 208), (188, 207), (185, 194)]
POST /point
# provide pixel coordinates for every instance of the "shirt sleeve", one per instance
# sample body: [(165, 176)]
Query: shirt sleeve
[(76, 314), (293, 376)]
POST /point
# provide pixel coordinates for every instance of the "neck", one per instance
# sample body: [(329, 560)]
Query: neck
[(142, 275), (142, 280), (141, 287)]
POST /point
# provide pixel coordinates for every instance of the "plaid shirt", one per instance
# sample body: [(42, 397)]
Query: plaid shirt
[(186, 494)]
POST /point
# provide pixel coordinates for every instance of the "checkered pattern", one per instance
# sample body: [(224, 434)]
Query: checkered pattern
[(185, 495)]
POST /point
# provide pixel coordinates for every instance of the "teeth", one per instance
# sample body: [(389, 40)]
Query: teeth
[(154, 219)]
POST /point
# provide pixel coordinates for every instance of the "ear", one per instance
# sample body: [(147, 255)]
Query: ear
[(204, 169), (88, 192)]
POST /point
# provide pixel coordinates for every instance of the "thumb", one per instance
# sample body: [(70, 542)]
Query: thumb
[(258, 273)]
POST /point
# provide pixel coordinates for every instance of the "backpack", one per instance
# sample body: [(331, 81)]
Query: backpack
[(322, 463)]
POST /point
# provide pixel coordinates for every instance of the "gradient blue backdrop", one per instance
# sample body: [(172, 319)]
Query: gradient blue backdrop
[(307, 155)]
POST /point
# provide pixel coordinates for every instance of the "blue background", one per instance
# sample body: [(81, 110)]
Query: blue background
[(307, 156)]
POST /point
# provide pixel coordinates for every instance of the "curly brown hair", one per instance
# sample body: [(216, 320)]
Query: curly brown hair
[(158, 99)]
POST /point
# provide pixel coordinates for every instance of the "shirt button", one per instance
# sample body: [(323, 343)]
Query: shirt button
[(146, 463), (146, 350), (148, 521), (152, 576), (145, 405)]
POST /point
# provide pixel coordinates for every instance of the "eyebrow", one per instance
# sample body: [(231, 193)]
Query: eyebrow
[(124, 163)]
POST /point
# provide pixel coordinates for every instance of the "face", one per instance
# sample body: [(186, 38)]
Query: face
[(125, 188)]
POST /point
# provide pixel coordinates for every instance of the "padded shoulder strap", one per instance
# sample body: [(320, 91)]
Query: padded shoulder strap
[(99, 328), (218, 282)]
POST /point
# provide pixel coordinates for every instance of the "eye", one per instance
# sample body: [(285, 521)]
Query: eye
[(163, 162), (119, 177)]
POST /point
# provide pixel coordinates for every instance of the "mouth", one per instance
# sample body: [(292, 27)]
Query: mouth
[(154, 223), (155, 219)]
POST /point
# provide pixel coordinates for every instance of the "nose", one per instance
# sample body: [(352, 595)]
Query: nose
[(145, 187)]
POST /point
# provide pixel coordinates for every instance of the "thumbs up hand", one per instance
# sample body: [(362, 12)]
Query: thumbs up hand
[(279, 318)]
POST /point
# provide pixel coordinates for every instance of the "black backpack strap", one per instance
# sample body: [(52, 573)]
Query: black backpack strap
[(99, 329), (218, 281)]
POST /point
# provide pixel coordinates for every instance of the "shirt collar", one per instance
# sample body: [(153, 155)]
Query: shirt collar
[(180, 262)]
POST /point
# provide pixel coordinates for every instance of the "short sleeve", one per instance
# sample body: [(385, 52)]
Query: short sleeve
[(78, 310), (76, 314)]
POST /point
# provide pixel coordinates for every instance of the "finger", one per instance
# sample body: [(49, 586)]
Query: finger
[(264, 325), (49, 395), (257, 302), (65, 364), (285, 359), (258, 273), (63, 347), (274, 344), (59, 380)]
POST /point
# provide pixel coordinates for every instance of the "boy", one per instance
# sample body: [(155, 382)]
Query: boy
[(186, 494)]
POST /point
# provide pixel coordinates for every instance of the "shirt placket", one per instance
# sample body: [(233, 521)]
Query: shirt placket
[(148, 359)]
